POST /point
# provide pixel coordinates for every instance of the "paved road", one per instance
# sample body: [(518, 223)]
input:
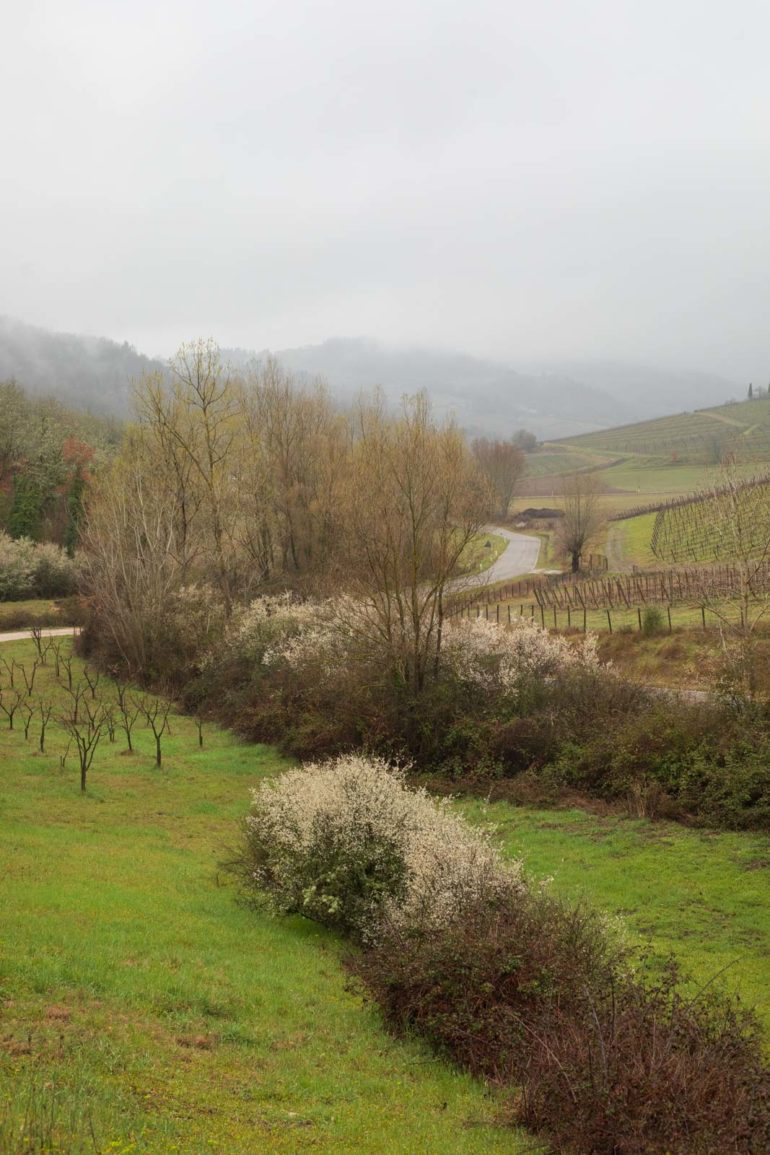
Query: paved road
[(519, 557), (21, 635)]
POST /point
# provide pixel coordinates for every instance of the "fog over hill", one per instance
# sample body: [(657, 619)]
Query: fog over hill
[(485, 396), (557, 400), (90, 373)]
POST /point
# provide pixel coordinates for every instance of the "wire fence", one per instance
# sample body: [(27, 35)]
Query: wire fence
[(644, 619)]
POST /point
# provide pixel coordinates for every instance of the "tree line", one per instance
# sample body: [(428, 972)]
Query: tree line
[(233, 483), (47, 457)]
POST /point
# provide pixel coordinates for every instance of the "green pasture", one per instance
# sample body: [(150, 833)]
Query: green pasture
[(628, 542), (143, 1009), (142, 1005), (555, 458), (702, 895)]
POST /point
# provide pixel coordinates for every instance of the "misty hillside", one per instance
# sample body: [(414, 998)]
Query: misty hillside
[(91, 373), (652, 392), (489, 397), (485, 397)]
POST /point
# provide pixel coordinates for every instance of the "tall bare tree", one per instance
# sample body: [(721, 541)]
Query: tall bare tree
[(583, 520), (503, 464), (415, 498)]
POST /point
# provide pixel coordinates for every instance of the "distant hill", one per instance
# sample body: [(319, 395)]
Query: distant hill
[(90, 373), (648, 391), (486, 397)]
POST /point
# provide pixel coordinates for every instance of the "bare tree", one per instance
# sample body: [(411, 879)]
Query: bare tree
[(84, 724), (9, 704), (129, 712), (92, 679), (155, 713), (583, 520), (27, 714), (415, 499), (45, 710), (196, 421), (29, 678), (10, 668), (503, 464)]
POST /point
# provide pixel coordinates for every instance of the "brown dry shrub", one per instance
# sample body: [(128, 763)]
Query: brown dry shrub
[(538, 996)]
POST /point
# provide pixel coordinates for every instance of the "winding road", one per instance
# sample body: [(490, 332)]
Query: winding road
[(519, 557)]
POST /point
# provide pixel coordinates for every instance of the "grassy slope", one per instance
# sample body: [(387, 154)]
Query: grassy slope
[(704, 896), (746, 424), (178, 1020), (478, 556), (664, 458), (156, 1007)]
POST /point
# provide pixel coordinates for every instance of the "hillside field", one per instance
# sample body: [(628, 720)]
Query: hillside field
[(653, 461), (144, 1006)]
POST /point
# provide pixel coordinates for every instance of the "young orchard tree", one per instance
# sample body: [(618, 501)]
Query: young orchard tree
[(10, 701), (84, 723), (415, 498), (45, 710), (583, 520), (155, 714), (503, 464), (129, 712)]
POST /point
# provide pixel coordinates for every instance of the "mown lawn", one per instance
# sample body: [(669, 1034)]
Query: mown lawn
[(142, 1009)]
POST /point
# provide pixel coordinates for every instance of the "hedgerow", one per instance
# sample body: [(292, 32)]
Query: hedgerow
[(603, 1053)]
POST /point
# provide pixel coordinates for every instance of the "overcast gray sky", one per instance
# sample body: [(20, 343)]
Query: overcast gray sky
[(557, 178)]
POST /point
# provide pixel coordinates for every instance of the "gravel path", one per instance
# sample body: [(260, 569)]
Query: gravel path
[(22, 635)]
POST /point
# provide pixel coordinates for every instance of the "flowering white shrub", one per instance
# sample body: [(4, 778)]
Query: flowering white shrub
[(17, 567), (320, 638), (307, 636), (29, 569), (348, 844), (496, 657)]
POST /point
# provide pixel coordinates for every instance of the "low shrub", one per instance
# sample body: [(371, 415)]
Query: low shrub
[(347, 844), (653, 621), (606, 1059), (603, 1055)]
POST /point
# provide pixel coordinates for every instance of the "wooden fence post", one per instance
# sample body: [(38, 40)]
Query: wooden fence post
[(609, 620)]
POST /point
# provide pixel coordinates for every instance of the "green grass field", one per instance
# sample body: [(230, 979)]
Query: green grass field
[(653, 461), (141, 1004), (481, 552), (140, 1001), (703, 896)]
